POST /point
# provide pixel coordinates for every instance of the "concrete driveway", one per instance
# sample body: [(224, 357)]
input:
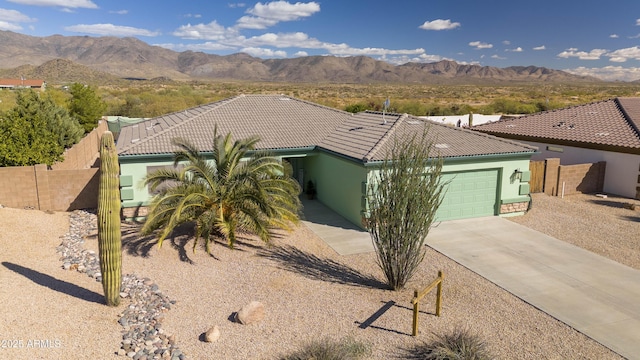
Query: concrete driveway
[(594, 295)]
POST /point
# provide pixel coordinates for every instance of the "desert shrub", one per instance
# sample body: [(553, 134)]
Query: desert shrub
[(403, 198), (356, 108), (460, 344), (327, 349)]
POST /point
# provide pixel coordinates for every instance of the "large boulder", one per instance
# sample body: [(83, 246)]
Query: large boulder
[(251, 313)]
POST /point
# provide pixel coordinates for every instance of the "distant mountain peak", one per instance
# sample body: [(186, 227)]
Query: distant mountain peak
[(132, 58)]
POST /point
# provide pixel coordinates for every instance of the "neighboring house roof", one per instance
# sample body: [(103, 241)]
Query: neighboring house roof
[(11, 83), (284, 122), (464, 119), (607, 125)]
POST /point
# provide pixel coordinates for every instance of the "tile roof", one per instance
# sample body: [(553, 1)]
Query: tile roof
[(281, 122), (613, 123), (21, 82), (369, 136), (284, 122)]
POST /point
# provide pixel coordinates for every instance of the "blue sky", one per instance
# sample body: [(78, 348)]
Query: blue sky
[(588, 37)]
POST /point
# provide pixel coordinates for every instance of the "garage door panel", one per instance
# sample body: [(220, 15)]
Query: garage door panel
[(469, 194)]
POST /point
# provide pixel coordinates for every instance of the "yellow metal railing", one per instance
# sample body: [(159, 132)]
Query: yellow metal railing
[(417, 296)]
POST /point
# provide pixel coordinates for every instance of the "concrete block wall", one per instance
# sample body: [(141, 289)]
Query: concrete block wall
[(84, 154), (73, 189), (68, 185), (18, 187), (581, 178), (551, 176)]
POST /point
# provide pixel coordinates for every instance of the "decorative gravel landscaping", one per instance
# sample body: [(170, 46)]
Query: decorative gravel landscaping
[(173, 296)]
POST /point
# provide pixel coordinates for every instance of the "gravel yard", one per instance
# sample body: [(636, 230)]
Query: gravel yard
[(601, 225), (309, 292)]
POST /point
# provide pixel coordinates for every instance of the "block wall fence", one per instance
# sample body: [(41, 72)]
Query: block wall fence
[(68, 185), (571, 179)]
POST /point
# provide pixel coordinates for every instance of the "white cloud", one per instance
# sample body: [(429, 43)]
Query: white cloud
[(265, 15), (195, 16), (614, 36), (87, 4), (110, 30), (594, 54), (403, 59), (210, 31), (620, 55), (119, 12), (480, 45), (439, 24), (207, 46), (623, 55), (518, 49), (498, 57), (608, 73), (506, 42), (236, 5), (261, 52), (5, 25), (14, 16), (638, 22), (301, 54), (541, 47), (282, 40), (346, 50)]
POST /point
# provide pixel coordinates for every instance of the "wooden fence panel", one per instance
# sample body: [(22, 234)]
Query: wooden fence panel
[(537, 169)]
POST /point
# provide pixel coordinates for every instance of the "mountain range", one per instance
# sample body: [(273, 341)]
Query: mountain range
[(60, 58)]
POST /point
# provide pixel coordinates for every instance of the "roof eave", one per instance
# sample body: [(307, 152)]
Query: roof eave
[(579, 144), (464, 158)]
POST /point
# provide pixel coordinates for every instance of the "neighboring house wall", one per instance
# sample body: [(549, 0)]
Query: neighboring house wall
[(622, 170)]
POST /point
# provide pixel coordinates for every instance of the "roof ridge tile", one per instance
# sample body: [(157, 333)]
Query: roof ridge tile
[(383, 139)]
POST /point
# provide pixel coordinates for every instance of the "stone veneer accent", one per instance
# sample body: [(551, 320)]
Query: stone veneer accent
[(514, 207)]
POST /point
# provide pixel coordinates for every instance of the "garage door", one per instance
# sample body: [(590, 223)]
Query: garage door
[(470, 194)]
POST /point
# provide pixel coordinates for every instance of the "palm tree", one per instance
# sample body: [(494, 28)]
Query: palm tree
[(239, 189)]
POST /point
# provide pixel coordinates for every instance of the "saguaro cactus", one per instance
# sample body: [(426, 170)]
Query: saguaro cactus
[(109, 236)]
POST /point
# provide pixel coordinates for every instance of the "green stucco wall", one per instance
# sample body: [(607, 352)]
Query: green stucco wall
[(509, 187), (137, 169), (338, 182)]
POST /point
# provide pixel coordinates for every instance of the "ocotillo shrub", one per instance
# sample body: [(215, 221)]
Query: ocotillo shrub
[(109, 236)]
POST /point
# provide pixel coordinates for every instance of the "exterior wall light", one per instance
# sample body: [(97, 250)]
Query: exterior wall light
[(517, 174)]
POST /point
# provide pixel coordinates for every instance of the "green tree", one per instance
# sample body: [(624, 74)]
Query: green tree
[(36, 131), (403, 198), (86, 106), (356, 108), (236, 190)]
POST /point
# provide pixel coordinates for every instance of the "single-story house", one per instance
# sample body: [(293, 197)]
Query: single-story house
[(337, 150), (606, 131), (35, 84)]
